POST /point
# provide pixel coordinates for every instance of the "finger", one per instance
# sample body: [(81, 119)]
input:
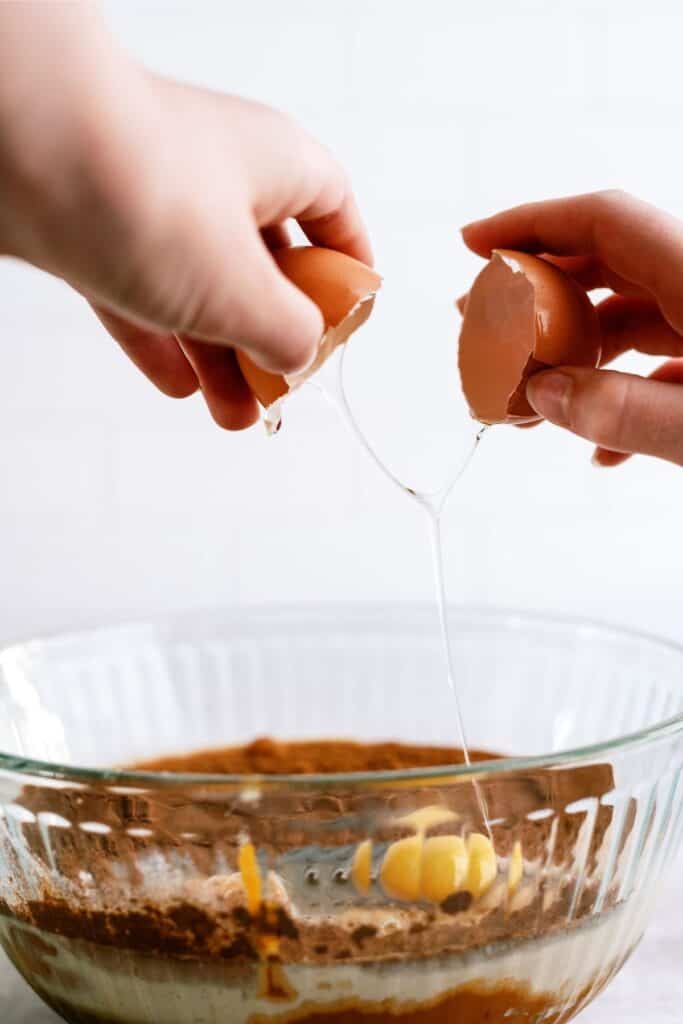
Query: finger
[(158, 356), (634, 240), (634, 323), (618, 411), (310, 187), (672, 372), (591, 274), (607, 459), (225, 390), (288, 173), (586, 270), (248, 303), (340, 228)]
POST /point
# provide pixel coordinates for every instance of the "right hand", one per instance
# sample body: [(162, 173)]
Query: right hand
[(159, 202)]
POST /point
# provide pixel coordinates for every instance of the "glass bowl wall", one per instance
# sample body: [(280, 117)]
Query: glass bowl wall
[(123, 895)]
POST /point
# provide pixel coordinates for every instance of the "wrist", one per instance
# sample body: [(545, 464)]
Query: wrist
[(58, 74)]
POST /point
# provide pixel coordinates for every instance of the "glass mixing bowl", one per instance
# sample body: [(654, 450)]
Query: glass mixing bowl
[(510, 891)]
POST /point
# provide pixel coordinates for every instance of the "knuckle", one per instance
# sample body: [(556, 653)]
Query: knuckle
[(338, 187), (326, 184), (613, 205), (608, 212), (620, 411), (613, 197), (340, 183), (198, 315)]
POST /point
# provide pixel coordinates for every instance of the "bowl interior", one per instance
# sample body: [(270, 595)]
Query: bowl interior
[(104, 880), (528, 686)]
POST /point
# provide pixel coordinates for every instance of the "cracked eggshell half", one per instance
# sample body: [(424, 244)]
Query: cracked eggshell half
[(522, 315), (344, 290)]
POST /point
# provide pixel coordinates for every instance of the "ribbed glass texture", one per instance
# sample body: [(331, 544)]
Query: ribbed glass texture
[(121, 895)]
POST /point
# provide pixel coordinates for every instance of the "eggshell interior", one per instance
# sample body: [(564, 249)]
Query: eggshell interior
[(522, 315), (333, 337), (497, 340)]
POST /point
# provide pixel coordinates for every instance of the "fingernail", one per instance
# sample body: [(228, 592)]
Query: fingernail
[(550, 394), (605, 458)]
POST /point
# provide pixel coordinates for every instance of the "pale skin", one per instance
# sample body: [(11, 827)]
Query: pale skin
[(609, 240), (160, 203)]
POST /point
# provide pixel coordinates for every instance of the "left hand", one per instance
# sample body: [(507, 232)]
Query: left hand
[(609, 240)]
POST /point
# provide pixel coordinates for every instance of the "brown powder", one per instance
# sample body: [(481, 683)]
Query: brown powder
[(203, 825), (276, 757)]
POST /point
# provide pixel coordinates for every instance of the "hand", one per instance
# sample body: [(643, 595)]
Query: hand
[(609, 240), (159, 202)]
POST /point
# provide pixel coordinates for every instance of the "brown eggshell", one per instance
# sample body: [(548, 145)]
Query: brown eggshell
[(343, 289), (522, 315)]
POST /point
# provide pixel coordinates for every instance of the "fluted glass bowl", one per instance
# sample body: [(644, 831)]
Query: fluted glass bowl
[(504, 893)]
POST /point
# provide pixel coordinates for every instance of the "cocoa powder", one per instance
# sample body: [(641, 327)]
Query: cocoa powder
[(267, 756)]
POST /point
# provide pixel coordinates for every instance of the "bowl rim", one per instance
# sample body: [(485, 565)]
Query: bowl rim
[(507, 618)]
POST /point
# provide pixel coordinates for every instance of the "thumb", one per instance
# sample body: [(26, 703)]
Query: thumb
[(252, 306), (619, 411)]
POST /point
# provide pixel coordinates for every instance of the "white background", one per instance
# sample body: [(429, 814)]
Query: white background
[(118, 502)]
